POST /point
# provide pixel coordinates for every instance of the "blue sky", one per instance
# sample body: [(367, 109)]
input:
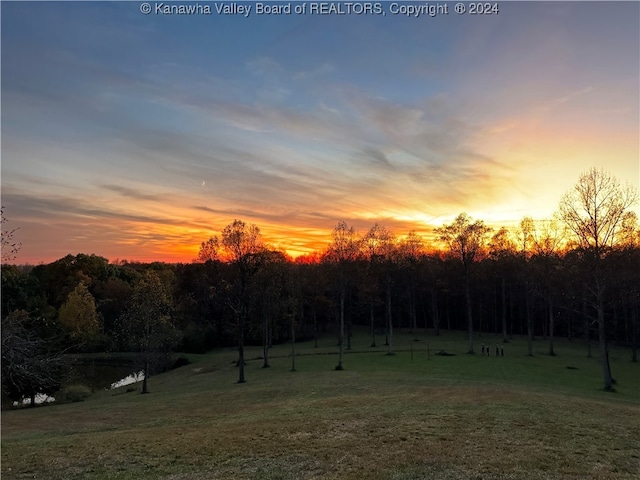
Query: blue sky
[(139, 136)]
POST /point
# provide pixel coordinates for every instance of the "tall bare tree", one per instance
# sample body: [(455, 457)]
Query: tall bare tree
[(502, 250), (525, 240), (381, 246), (548, 238), (271, 281), (411, 250), (341, 253), (243, 247), (30, 365), (465, 240), (629, 277), (593, 211)]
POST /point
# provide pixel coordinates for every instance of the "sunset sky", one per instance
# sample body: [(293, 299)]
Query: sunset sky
[(137, 136)]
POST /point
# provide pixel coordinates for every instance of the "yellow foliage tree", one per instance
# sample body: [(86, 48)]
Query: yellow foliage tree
[(78, 314)]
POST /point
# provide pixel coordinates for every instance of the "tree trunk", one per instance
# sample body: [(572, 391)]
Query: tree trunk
[(434, 312), (529, 316), (587, 335), (241, 378), (634, 334), (412, 312), (341, 338), (495, 310), (315, 326), (504, 310), (389, 319), (511, 311), (373, 327), (614, 328), (241, 316), (146, 357), (469, 314), (569, 327), (93, 368), (448, 313), (551, 324), (145, 388), (602, 338), (293, 345), (265, 346)]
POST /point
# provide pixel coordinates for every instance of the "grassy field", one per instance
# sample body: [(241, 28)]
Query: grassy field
[(404, 417)]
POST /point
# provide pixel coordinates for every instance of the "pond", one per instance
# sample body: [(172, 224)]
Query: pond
[(103, 373), (95, 373), (134, 377)]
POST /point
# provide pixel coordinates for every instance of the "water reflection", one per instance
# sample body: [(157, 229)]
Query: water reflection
[(40, 398), (128, 380), (131, 378)]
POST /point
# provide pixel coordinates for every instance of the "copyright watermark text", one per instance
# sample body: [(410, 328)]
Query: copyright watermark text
[(161, 8), (410, 9)]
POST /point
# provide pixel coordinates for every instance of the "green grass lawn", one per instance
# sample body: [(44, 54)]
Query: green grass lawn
[(383, 417)]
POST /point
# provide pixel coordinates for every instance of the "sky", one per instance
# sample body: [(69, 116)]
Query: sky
[(138, 137)]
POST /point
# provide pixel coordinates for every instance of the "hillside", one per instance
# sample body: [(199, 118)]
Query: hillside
[(407, 416)]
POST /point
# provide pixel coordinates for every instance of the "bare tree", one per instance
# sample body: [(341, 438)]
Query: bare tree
[(593, 211), (244, 249), (629, 276), (342, 251), (8, 246), (630, 230), (411, 250), (271, 283), (548, 237), (502, 250), (465, 240), (30, 366), (525, 239), (381, 246)]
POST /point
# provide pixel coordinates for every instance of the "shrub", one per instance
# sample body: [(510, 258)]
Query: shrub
[(180, 362), (76, 393)]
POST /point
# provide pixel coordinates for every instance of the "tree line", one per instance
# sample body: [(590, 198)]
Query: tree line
[(576, 275)]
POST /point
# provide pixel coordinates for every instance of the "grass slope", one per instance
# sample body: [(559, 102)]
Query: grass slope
[(384, 417)]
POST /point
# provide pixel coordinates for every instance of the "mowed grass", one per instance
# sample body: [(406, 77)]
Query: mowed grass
[(406, 416)]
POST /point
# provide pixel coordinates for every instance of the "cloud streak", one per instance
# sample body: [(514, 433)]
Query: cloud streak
[(145, 152)]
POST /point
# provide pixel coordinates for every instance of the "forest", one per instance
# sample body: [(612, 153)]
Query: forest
[(576, 275)]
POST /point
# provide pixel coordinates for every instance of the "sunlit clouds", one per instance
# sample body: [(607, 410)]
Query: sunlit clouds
[(153, 133)]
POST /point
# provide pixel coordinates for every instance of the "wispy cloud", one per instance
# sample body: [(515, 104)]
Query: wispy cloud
[(318, 71), (134, 194), (304, 122)]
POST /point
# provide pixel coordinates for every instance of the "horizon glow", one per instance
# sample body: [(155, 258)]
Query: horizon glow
[(138, 137)]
